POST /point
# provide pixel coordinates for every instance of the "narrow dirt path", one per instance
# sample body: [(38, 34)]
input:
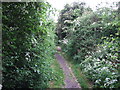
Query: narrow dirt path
[(70, 79)]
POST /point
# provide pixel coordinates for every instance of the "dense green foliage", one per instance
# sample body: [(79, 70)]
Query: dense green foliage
[(28, 44), (90, 38), (67, 16), (93, 42), (102, 67)]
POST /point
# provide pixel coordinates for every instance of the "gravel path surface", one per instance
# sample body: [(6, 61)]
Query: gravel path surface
[(70, 79)]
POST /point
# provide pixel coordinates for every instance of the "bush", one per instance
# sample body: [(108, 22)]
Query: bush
[(103, 66), (93, 42), (28, 44)]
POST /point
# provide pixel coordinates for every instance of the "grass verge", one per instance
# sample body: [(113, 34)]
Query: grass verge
[(82, 80), (58, 76)]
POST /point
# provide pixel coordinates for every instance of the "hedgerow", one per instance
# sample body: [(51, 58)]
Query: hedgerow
[(27, 44), (93, 43)]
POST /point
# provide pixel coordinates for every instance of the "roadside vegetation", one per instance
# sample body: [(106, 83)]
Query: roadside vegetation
[(81, 78), (28, 46), (58, 76), (91, 40)]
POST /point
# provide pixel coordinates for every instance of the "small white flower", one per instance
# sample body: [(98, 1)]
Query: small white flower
[(0, 87), (107, 79), (108, 23), (113, 73)]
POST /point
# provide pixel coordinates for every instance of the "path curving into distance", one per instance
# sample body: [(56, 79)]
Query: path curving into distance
[(70, 79)]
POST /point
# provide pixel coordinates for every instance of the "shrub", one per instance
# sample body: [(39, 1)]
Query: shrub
[(28, 44), (103, 66)]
